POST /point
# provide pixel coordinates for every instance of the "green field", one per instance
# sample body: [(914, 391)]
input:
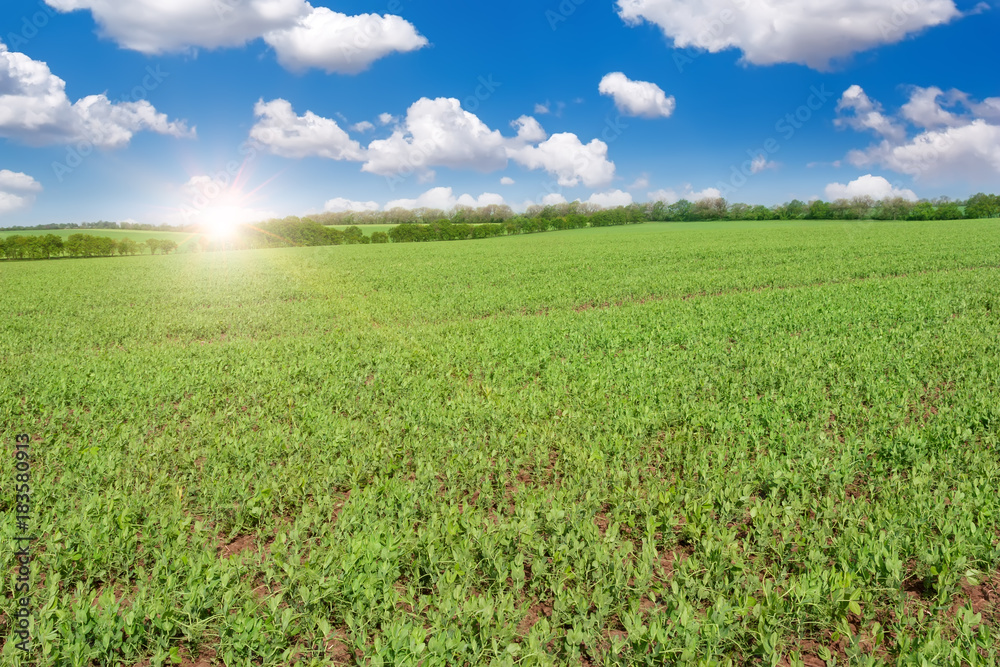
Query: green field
[(711, 443), (184, 241)]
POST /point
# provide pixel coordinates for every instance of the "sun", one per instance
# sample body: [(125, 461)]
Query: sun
[(222, 222)]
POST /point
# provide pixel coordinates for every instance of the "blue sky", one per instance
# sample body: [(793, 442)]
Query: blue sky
[(173, 111)]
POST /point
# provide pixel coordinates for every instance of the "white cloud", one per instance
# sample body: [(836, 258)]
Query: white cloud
[(875, 187), (567, 158), (957, 138), (529, 130), (924, 111), (363, 126), (437, 133), (640, 183), (610, 199), (507, 180), (637, 98), (16, 181), (288, 135), (809, 32), (669, 196), (158, 26), (761, 163), (34, 109), (301, 35), (340, 205), (336, 42), (444, 199), (542, 109), (552, 199), (17, 190), (386, 118), (865, 115)]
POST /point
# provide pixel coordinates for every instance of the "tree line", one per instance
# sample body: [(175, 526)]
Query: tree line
[(857, 208), (100, 224), (47, 246), (490, 221)]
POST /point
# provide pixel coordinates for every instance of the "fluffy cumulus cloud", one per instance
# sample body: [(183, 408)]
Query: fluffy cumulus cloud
[(875, 187), (637, 98), (302, 35), (17, 190), (669, 196), (506, 180), (436, 133), (936, 136), (34, 109), (445, 199), (336, 42), (809, 32), (568, 159), (610, 199), (340, 205), (284, 133)]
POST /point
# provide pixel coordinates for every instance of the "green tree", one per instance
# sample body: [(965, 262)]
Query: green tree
[(948, 211), (128, 247), (982, 206), (819, 210)]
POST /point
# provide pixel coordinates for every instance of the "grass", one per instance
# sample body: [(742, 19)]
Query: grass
[(765, 443)]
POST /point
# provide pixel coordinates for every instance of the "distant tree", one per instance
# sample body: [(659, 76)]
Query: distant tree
[(128, 246), (74, 245), (49, 245), (793, 210), (168, 246), (923, 210), (948, 211), (818, 210), (895, 208), (380, 237), (153, 245), (681, 211), (738, 211), (982, 206), (103, 246), (353, 235), (861, 207)]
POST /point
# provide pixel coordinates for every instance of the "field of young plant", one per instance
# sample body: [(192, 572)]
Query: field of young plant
[(712, 443)]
